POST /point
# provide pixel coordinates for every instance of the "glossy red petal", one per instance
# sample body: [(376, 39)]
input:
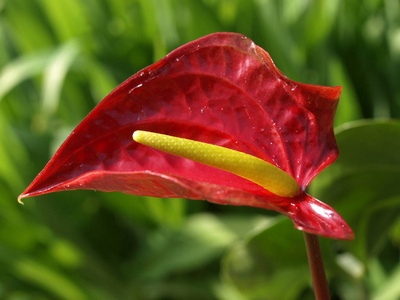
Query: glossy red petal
[(307, 213), (311, 215), (221, 89)]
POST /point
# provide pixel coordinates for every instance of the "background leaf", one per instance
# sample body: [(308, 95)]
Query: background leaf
[(363, 184), (367, 172), (341, 42), (261, 265)]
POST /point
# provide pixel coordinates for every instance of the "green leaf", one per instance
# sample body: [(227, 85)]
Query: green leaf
[(363, 184), (390, 289), (49, 279), (349, 108), (271, 263), (200, 240), (20, 69), (59, 64)]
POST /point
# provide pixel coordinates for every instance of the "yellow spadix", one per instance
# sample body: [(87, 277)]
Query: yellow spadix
[(244, 165)]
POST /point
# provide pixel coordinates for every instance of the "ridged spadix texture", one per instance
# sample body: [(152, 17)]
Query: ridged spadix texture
[(244, 165), (222, 90)]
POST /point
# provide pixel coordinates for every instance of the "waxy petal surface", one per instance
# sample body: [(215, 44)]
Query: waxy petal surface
[(221, 89)]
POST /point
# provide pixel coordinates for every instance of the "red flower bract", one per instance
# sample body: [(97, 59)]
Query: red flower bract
[(221, 89)]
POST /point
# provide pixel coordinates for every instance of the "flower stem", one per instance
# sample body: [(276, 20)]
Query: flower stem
[(316, 267)]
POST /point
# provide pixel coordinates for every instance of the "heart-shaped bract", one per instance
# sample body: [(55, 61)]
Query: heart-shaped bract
[(221, 89)]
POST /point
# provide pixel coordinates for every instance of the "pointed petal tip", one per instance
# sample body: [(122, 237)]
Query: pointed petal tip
[(20, 199), (313, 216), (28, 193), (25, 194)]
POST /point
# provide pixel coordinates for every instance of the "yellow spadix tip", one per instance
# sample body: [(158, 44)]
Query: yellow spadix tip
[(241, 164)]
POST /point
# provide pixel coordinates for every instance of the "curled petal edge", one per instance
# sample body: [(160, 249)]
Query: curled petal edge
[(307, 213), (314, 216)]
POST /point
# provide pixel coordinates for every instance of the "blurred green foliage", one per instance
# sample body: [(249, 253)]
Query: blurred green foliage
[(59, 58)]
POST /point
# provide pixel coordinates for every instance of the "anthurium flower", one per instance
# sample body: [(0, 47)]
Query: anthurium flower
[(219, 90)]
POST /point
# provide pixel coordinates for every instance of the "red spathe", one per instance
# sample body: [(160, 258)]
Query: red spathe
[(221, 89)]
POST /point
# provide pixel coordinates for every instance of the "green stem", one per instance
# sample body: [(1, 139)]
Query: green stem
[(316, 267)]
